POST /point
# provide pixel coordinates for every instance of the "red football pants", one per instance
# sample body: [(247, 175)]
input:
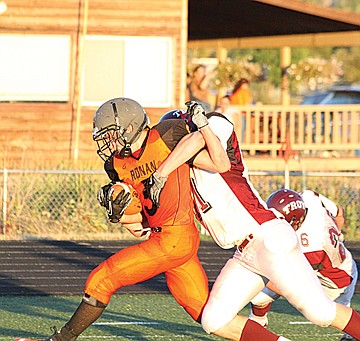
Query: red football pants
[(172, 251)]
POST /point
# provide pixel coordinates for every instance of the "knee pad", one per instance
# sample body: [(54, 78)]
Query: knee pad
[(213, 320), (320, 314), (263, 298), (93, 301), (280, 238)]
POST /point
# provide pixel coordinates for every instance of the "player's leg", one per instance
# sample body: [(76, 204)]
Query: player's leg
[(260, 306), (284, 264), (188, 283), (281, 260), (346, 296), (347, 293), (170, 248), (128, 266), (347, 320), (233, 289), (100, 285)]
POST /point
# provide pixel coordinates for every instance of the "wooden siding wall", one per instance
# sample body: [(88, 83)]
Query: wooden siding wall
[(44, 132)]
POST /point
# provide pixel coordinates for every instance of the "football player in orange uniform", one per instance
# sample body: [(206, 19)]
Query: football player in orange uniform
[(132, 152)]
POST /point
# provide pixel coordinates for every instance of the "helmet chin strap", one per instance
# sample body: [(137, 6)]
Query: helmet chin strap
[(126, 151)]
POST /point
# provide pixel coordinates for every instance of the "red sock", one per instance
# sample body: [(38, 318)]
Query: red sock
[(352, 328), (260, 311), (254, 331)]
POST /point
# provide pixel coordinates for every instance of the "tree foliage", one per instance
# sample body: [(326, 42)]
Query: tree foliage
[(310, 68)]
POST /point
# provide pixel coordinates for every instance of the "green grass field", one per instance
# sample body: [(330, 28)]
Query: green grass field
[(139, 317)]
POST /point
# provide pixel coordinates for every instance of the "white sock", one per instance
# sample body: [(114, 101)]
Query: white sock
[(262, 320)]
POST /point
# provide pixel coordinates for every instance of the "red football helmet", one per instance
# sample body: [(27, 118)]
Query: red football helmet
[(290, 204)]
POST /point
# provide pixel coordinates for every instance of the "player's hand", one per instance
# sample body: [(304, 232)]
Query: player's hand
[(197, 113), (102, 195), (117, 206), (154, 186)]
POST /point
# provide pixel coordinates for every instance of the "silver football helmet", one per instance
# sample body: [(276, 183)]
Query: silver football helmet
[(118, 123)]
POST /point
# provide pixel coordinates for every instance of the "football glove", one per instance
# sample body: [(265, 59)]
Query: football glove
[(102, 195), (197, 113), (117, 206), (153, 187)]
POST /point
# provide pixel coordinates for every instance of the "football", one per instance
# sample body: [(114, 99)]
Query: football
[(135, 204)]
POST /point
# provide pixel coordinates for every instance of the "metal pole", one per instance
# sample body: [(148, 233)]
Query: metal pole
[(287, 175), (285, 61), (5, 201), (79, 76)]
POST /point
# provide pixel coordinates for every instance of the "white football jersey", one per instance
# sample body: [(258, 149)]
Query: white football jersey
[(319, 241), (228, 205)]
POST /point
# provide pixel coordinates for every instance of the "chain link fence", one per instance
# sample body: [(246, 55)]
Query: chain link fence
[(62, 204)]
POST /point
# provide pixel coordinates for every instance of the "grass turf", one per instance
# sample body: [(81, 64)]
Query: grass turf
[(139, 317)]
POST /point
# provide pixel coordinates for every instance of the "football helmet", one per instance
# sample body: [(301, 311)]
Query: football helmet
[(290, 204), (179, 114), (118, 123)]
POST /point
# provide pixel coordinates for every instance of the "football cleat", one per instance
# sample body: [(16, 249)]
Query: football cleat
[(50, 338)]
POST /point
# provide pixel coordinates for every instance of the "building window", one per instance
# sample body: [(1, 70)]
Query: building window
[(37, 68), (135, 67), (34, 68)]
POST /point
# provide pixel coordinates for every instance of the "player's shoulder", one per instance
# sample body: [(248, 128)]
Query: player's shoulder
[(218, 117), (309, 195), (171, 131), (169, 124), (220, 125)]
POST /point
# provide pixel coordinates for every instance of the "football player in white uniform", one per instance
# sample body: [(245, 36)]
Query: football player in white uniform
[(316, 220), (267, 247)]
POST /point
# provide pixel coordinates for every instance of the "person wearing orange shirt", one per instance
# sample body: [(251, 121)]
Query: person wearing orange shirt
[(132, 152), (241, 95)]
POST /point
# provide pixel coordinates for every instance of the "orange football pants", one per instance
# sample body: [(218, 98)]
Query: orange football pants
[(172, 251)]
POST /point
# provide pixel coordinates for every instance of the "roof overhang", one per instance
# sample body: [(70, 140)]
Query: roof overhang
[(269, 23)]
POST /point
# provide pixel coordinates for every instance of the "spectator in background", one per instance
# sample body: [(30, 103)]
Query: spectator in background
[(241, 95), (224, 107), (199, 87)]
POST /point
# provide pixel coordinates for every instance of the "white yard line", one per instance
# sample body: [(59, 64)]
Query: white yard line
[(119, 323)]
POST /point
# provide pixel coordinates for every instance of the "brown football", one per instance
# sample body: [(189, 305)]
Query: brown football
[(135, 204)]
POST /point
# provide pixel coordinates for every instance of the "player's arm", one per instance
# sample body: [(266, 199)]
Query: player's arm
[(336, 211), (332, 246), (133, 223), (136, 229), (131, 218), (213, 158), (340, 218)]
